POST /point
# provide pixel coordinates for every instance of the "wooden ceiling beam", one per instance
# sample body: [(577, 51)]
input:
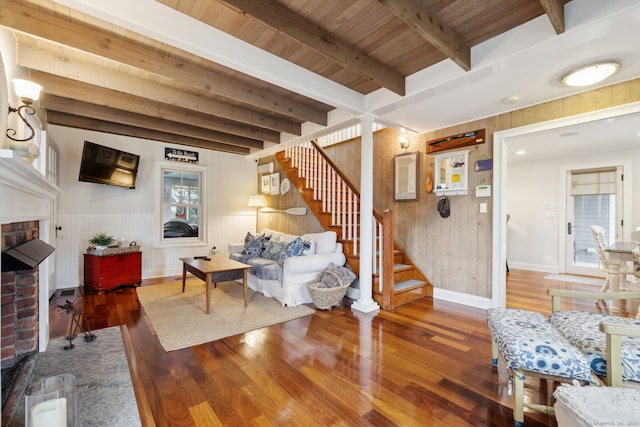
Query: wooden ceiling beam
[(417, 15), (65, 66), (84, 109), (69, 120), (283, 20), (66, 88), (40, 23), (555, 11)]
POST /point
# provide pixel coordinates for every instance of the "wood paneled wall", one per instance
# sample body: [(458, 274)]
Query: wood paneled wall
[(286, 223), (454, 253)]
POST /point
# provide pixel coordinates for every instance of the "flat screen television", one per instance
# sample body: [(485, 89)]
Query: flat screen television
[(104, 165)]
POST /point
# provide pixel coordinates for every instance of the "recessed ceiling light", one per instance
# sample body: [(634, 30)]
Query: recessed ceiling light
[(510, 100), (590, 74), (521, 152)]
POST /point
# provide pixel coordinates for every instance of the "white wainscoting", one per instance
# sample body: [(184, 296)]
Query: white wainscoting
[(78, 228)]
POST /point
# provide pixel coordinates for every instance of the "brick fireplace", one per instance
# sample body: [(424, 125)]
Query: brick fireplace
[(19, 299)]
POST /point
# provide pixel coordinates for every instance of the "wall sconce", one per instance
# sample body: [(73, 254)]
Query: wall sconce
[(28, 92), (404, 142), (257, 201)]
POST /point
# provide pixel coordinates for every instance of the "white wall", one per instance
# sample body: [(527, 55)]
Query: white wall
[(86, 208), (533, 229)]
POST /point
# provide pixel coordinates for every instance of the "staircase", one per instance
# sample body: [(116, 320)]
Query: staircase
[(335, 201)]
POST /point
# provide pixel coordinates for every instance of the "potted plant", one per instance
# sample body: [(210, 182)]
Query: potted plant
[(102, 241)]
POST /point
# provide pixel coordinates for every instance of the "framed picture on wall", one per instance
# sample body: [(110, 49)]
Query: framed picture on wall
[(405, 168), (265, 186), (275, 183)]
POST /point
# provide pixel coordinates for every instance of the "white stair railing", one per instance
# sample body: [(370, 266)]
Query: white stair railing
[(338, 198)]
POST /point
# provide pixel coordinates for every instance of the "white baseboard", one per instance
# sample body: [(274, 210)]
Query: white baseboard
[(445, 295), (534, 267), (464, 299)]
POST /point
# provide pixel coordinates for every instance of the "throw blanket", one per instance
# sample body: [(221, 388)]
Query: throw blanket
[(334, 276), (262, 268)]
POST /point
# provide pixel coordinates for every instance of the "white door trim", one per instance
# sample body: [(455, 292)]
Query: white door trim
[(499, 234), (562, 211)]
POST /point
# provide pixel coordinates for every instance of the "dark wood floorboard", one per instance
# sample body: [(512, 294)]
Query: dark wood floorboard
[(428, 363)]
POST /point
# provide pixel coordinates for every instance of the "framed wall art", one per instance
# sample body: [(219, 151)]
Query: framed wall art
[(275, 183), (265, 182), (405, 176)]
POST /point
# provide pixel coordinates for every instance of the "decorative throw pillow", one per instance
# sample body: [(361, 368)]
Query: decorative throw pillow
[(253, 245), (294, 248), (273, 250)]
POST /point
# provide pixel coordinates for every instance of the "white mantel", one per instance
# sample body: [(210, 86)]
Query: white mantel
[(24, 193)]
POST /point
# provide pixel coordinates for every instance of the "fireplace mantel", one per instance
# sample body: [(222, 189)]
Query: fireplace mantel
[(17, 173)]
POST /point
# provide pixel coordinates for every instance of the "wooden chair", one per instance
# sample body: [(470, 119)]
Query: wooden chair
[(601, 245)]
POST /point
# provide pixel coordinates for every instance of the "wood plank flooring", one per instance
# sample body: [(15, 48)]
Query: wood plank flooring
[(428, 363)]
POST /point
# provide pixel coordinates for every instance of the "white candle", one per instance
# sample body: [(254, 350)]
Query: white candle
[(50, 413)]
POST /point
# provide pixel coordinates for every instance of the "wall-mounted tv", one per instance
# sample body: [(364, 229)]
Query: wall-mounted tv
[(104, 165)]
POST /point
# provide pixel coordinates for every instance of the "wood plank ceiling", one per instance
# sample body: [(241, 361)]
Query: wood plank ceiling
[(101, 77)]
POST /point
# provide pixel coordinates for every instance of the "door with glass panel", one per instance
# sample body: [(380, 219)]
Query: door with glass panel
[(594, 197)]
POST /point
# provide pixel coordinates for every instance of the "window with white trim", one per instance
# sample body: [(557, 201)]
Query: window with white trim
[(182, 209)]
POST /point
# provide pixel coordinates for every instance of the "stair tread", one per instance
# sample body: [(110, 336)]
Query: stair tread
[(411, 283), (401, 266)]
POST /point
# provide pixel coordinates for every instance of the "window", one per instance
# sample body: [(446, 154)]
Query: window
[(182, 203)]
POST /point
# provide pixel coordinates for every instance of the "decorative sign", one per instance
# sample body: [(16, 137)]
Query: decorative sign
[(456, 141), (178, 155)]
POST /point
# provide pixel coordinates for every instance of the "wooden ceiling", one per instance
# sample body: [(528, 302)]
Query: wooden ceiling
[(102, 77)]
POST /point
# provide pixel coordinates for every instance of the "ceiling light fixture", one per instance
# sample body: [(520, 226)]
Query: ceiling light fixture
[(521, 152), (590, 74), (511, 100), (28, 92)]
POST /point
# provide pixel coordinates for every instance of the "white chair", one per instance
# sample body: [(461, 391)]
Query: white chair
[(635, 236), (601, 245)]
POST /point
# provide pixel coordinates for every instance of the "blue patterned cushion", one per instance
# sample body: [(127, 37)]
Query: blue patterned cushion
[(295, 248), (253, 245), (582, 330), (273, 250), (528, 341)]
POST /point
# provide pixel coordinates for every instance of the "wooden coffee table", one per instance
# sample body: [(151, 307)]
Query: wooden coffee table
[(215, 269)]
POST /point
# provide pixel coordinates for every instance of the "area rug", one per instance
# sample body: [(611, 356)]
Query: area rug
[(180, 321), (105, 391), (575, 279)]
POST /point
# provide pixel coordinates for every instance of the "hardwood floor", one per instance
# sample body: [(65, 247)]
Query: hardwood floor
[(428, 363)]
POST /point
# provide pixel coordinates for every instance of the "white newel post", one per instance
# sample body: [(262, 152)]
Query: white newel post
[(365, 302)]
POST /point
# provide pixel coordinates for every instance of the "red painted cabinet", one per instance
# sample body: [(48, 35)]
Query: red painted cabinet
[(107, 272)]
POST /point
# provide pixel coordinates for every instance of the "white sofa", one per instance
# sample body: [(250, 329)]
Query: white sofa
[(322, 249)]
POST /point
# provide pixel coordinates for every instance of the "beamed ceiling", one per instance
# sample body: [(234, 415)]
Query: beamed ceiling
[(100, 76)]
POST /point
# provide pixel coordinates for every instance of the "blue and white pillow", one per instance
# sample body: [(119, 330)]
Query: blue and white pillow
[(273, 250), (253, 245), (295, 248)]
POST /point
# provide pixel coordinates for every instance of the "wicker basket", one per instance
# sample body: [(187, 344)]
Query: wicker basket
[(325, 298), (112, 251)]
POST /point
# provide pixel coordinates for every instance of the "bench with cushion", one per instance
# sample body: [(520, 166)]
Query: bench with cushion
[(571, 346), (531, 347)]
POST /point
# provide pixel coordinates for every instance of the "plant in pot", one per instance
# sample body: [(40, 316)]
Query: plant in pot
[(102, 241)]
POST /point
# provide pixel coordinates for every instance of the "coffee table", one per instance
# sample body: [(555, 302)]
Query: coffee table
[(213, 270)]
